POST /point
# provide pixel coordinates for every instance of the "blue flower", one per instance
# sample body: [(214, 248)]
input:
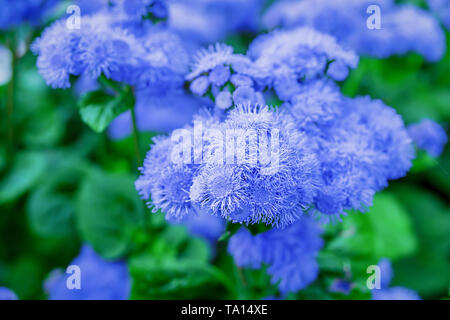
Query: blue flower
[(156, 60), (205, 225), (100, 279), (138, 9), (156, 113), (290, 254), (219, 75), (200, 85), (7, 294), (290, 56), (359, 151), (217, 66), (244, 96), (273, 185), (316, 102), (207, 21), (429, 136), (442, 9), (170, 193), (223, 100), (404, 28), (16, 12), (394, 293)]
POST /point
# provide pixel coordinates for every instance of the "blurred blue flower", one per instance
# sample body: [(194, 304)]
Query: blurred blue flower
[(404, 28), (442, 9), (7, 294), (429, 136), (289, 253), (16, 12), (100, 279), (394, 293), (208, 21), (156, 113)]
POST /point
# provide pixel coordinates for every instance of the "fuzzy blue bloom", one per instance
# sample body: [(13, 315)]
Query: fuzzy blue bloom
[(205, 225), (7, 294), (209, 21), (404, 28), (290, 253), (200, 85), (222, 66), (223, 100), (239, 80), (91, 6), (100, 279), (394, 293), (360, 149), (219, 75), (290, 56), (16, 12), (429, 136), (244, 95), (442, 9), (271, 180), (157, 61)]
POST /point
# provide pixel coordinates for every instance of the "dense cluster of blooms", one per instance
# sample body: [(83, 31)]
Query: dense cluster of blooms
[(404, 28), (290, 254), (16, 12), (234, 157), (99, 279), (429, 136), (108, 43), (391, 293)]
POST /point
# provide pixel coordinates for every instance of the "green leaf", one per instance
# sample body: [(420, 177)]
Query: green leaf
[(25, 172), (50, 208), (109, 213), (384, 231), (175, 279), (98, 109), (428, 270)]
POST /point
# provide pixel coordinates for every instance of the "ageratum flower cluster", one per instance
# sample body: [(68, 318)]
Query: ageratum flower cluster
[(290, 265), (404, 28), (109, 43), (319, 153), (314, 152)]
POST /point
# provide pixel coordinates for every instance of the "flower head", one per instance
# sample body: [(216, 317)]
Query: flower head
[(290, 253), (100, 279), (429, 136)]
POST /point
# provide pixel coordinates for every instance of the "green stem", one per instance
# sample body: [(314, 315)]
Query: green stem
[(136, 135)]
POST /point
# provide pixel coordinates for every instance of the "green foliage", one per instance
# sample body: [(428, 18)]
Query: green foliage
[(26, 169), (428, 271), (384, 231), (98, 109), (109, 212)]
